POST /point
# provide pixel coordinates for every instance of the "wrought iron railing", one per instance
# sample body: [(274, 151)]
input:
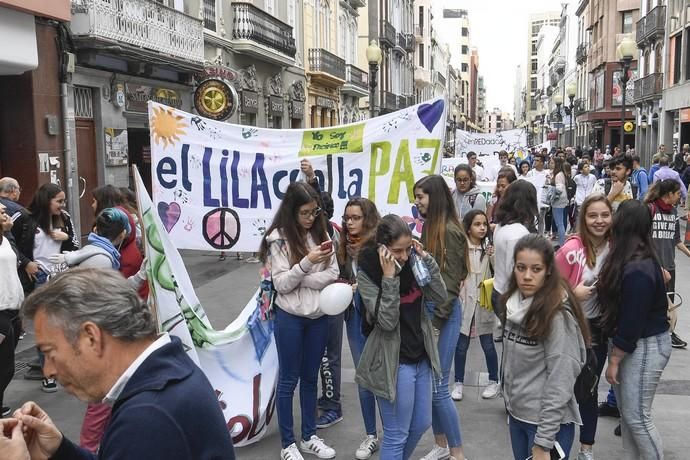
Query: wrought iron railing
[(387, 33), (252, 23), (321, 60), (648, 87), (356, 76), (581, 53), (390, 101), (651, 26), (141, 23)]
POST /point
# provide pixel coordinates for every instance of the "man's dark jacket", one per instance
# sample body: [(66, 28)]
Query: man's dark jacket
[(167, 410)]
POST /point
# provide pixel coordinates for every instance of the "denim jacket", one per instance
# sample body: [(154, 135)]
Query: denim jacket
[(378, 366)]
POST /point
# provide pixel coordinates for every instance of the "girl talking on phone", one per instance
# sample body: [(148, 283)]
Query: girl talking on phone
[(544, 349), (400, 353), (301, 265)]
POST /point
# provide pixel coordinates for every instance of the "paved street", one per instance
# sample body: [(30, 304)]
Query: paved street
[(484, 429)]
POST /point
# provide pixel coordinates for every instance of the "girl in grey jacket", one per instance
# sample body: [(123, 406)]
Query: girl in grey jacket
[(543, 352)]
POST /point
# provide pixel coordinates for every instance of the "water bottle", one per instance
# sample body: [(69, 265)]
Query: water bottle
[(419, 270)]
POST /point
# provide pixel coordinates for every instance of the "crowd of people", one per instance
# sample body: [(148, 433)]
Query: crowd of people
[(569, 266)]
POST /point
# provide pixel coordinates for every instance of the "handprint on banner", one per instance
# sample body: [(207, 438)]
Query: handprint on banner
[(249, 132), (214, 133), (199, 123), (422, 158), (260, 226), (194, 161), (181, 196), (189, 224)]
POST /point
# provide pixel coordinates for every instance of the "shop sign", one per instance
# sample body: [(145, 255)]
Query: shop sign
[(215, 99), (217, 72), (277, 106), (552, 136), (325, 102), (250, 102), (628, 126), (137, 97), (297, 109)]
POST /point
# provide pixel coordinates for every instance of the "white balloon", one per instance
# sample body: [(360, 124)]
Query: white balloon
[(335, 298)]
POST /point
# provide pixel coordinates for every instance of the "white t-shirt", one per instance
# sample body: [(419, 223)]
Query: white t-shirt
[(505, 239), (11, 292), (585, 185), (479, 172), (538, 179), (591, 306), (44, 247)]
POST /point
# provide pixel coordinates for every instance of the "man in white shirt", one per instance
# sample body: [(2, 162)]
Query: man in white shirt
[(538, 176), (100, 343), (478, 170)]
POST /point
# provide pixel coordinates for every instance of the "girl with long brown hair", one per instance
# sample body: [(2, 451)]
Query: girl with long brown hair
[(445, 240)]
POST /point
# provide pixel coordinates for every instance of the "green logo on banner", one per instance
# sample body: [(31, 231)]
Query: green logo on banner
[(343, 139)]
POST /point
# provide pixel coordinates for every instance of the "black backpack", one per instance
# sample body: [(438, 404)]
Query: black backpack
[(587, 382), (570, 187)]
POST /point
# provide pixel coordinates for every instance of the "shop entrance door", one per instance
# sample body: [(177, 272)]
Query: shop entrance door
[(88, 173)]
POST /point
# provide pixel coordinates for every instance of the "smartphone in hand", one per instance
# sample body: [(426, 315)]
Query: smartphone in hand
[(557, 452), (327, 246)]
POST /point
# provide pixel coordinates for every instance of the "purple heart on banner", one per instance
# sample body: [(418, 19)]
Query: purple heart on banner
[(169, 214), (430, 114)]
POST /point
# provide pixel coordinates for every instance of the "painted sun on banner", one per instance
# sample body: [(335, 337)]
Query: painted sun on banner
[(217, 186)]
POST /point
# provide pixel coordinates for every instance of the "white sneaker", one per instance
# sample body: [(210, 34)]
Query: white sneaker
[(367, 448), (317, 447), (491, 391), (437, 453), (456, 394), (585, 455), (291, 453)]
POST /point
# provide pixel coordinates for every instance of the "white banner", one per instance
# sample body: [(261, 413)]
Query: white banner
[(240, 361), (218, 185), (487, 146)]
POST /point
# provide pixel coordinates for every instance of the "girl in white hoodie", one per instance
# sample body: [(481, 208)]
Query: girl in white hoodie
[(302, 262)]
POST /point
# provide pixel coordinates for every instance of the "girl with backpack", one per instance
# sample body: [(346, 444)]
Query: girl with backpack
[(579, 261), (544, 351), (445, 240), (632, 294), (480, 249), (301, 266), (400, 353)]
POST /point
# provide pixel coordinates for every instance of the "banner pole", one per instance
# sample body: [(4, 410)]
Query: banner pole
[(151, 301)]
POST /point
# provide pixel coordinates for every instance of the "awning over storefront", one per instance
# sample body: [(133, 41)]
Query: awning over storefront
[(18, 52)]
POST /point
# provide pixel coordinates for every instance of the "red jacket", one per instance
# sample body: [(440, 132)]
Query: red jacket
[(130, 256)]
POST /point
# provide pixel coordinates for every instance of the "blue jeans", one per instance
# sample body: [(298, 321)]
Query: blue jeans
[(407, 418), (445, 419), (589, 411), (559, 215), (330, 369), (353, 325), (487, 342), (611, 398), (300, 342), (639, 373), (522, 438)]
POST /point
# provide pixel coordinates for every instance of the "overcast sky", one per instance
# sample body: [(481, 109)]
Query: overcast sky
[(498, 28)]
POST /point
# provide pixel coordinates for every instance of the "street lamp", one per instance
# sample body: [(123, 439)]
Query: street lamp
[(625, 52), (558, 100), (374, 58), (571, 91)]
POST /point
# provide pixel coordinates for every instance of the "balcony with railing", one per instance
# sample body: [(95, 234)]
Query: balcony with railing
[(439, 78), (648, 87), (400, 43), (258, 33), (422, 76), (356, 81), (387, 34), (581, 53), (651, 27), (418, 33), (142, 26), (326, 66), (409, 43)]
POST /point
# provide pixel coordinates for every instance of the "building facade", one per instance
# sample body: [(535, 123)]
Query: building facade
[(675, 119), (607, 24), (423, 32), (32, 82), (356, 80), (534, 25)]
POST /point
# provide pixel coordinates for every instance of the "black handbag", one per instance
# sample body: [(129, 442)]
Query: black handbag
[(587, 382)]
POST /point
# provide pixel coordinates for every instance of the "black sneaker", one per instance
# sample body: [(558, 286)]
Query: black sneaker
[(677, 342), (49, 385), (607, 410), (617, 431), (6, 410)]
